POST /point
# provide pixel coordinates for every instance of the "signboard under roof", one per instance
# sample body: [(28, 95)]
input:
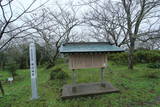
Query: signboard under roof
[(88, 54)]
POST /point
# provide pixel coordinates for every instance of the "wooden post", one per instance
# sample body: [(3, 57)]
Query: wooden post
[(74, 81), (102, 77), (74, 77)]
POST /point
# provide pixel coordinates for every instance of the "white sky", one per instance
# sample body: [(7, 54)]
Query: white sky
[(20, 4), (51, 3)]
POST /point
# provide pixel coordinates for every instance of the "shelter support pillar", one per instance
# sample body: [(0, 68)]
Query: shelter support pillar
[(102, 77), (74, 81)]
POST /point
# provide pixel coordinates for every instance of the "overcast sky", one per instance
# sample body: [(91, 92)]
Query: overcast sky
[(52, 4)]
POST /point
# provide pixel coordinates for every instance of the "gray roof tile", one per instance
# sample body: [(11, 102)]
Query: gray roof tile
[(89, 47)]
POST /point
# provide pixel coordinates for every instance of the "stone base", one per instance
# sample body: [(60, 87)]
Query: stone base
[(87, 89)]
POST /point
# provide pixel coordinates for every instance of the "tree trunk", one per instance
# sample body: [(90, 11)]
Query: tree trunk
[(50, 65), (13, 74), (1, 88), (52, 61), (130, 53), (130, 59)]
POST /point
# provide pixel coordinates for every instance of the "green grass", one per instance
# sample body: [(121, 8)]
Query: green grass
[(137, 88)]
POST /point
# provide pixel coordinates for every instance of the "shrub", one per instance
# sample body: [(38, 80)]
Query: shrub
[(147, 56), (58, 73), (119, 58), (140, 56), (154, 65), (12, 67), (59, 60)]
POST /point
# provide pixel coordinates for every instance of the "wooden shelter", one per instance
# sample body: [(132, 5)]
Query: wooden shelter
[(88, 55)]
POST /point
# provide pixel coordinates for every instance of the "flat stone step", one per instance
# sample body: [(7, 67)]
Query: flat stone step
[(87, 89)]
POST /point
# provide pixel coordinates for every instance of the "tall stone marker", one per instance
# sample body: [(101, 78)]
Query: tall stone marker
[(33, 69)]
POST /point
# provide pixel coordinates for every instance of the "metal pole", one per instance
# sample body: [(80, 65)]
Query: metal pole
[(33, 69)]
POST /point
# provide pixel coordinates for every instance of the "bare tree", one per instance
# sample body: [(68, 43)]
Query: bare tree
[(136, 11), (124, 20), (150, 40), (55, 29), (105, 18), (10, 21)]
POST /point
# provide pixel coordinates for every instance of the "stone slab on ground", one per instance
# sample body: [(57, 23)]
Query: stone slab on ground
[(87, 89)]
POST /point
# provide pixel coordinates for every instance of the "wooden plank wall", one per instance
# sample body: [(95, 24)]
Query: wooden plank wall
[(90, 60)]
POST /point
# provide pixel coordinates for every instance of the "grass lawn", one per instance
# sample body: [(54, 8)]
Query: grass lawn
[(138, 88)]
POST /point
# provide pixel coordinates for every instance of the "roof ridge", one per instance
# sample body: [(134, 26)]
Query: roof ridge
[(88, 43)]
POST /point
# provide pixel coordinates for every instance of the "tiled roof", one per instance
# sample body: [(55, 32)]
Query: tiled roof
[(80, 47)]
